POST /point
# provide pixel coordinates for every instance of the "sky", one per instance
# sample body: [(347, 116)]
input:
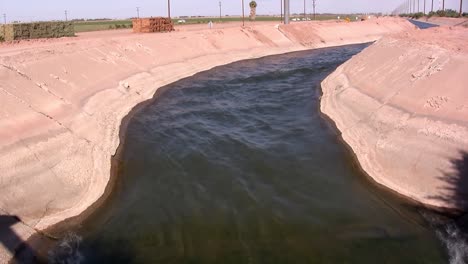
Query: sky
[(35, 10)]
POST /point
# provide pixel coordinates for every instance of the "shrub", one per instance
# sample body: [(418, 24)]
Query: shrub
[(440, 13), (117, 26), (447, 13), (418, 15), (451, 13), (431, 14), (2, 39), (111, 27), (465, 14)]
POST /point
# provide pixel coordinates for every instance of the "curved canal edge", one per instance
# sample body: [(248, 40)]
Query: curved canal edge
[(113, 109), (267, 110)]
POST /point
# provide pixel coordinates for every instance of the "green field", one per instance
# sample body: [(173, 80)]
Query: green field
[(84, 26)]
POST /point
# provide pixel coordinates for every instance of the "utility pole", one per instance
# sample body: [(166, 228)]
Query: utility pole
[(138, 12), (243, 14), (313, 6), (461, 7), (432, 6), (169, 8), (286, 12), (443, 5), (304, 9), (4, 19), (424, 7), (418, 6), (219, 11), (66, 15), (281, 7)]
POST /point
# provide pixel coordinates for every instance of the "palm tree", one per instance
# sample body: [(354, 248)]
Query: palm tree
[(253, 10)]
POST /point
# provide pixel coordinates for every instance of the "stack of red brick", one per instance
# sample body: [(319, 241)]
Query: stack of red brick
[(154, 24)]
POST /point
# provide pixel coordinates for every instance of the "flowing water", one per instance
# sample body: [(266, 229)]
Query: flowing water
[(422, 25), (236, 165)]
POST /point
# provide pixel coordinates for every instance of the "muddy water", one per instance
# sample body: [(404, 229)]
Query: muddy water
[(236, 165)]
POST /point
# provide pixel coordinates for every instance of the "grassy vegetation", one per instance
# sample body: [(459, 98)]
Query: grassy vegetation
[(205, 20), (440, 13), (84, 26), (415, 15), (96, 25)]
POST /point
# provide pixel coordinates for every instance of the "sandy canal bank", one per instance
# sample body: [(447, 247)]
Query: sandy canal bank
[(445, 21), (402, 106), (62, 103)]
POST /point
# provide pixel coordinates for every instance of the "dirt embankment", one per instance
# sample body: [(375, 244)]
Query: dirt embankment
[(62, 102), (446, 21), (402, 106)]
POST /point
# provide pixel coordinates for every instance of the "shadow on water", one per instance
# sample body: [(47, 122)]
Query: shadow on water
[(455, 191), (453, 231)]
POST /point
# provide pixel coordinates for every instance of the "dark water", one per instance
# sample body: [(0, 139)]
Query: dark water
[(236, 165), (422, 25)]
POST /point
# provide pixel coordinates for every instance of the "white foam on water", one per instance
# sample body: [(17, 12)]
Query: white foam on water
[(454, 239), (67, 251), (456, 243)]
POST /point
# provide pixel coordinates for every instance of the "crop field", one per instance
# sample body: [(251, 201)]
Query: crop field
[(84, 26)]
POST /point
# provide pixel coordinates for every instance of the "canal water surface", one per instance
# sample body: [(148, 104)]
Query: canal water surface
[(237, 165)]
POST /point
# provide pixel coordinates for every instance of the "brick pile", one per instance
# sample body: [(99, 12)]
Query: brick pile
[(154, 24)]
